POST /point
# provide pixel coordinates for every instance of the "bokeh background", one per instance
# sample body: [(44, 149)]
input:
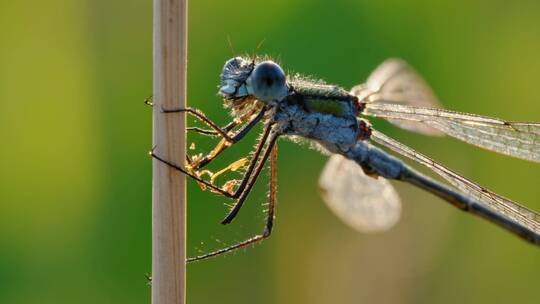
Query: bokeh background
[(75, 178)]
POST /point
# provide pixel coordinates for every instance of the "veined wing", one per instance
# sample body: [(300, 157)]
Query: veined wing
[(365, 203), (499, 204), (395, 80), (518, 139)]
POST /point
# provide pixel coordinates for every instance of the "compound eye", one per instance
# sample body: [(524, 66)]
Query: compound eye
[(267, 82)]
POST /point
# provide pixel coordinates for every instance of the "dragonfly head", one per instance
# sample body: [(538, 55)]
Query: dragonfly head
[(242, 78)]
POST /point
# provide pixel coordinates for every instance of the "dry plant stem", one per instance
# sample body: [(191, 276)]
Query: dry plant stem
[(168, 196)]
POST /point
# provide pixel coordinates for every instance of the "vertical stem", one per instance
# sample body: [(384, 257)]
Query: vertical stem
[(169, 189)]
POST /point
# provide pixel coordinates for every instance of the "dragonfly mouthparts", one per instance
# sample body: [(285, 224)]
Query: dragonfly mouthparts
[(233, 78)]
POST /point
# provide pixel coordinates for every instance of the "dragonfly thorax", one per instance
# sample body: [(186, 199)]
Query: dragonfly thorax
[(336, 134)]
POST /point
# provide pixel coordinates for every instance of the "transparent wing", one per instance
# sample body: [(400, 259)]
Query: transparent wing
[(365, 203), (395, 80), (518, 139), (499, 204)]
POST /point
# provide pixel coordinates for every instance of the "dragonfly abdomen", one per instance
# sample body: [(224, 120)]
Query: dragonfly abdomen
[(375, 161)]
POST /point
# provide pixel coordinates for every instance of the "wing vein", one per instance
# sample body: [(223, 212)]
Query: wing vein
[(508, 208), (518, 139)]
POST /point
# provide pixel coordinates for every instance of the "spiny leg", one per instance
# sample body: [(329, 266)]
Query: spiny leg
[(202, 131), (253, 162), (198, 179), (211, 133), (248, 185), (224, 144), (269, 220), (227, 128), (200, 115), (214, 132), (227, 141), (245, 178)]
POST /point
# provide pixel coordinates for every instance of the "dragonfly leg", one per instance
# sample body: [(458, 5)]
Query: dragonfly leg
[(245, 179), (245, 187), (196, 164), (148, 101), (193, 176), (227, 128), (225, 143), (200, 115), (228, 139), (252, 172), (269, 220)]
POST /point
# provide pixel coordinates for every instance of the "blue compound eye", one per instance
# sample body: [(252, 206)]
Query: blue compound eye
[(267, 82)]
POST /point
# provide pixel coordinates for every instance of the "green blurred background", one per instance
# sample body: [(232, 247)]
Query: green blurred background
[(75, 176)]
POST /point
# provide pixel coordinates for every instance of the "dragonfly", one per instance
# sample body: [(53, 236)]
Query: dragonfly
[(355, 181)]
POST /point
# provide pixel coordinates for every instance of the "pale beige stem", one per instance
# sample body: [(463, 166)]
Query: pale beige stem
[(169, 189)]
